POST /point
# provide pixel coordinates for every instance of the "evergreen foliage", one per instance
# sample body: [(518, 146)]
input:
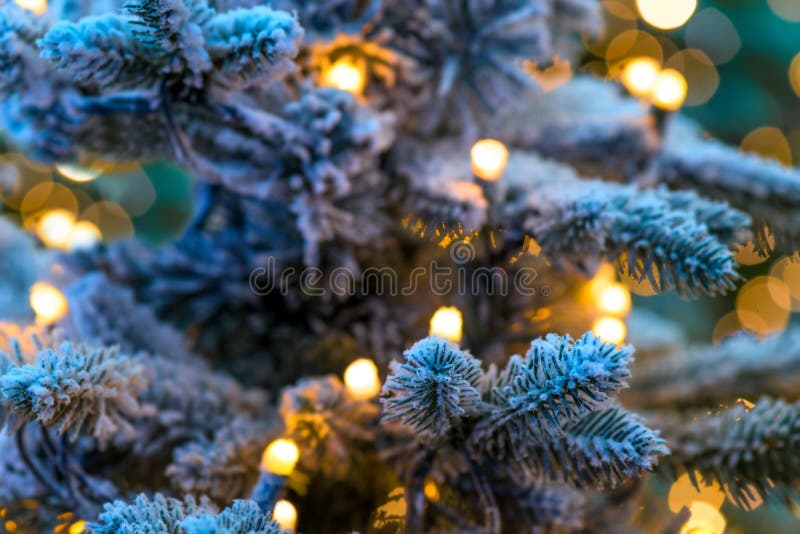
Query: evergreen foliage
[(74, 389)]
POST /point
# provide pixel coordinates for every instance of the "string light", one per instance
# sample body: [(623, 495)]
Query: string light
[(38, 7), (639, 76), (84, 235), (669, 91), (613, 299), (489, 159), (55, 227), (285, 514), (448, 323), (47, 302), (344, 75), (77, 173), (609, 329), (361, 379), (280, 457), (704, 519), (666, 14)]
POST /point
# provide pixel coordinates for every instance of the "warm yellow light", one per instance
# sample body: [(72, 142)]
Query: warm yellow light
[(431, 491), (344, 75), (78, 527), (489, 158), (55, 227), (48, 302), (613, 299), (361, 379), (84, 235), (666, 14), (669, 91), (447, 323), (77, 173), (639, 76), (280, 457), (704, 519), (37, 6), (684, 493), (285, 514), (609, 329)]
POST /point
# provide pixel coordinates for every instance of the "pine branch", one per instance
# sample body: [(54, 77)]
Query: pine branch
[(76, 389), (749, 451), (242, 517), (98, 52), (252, 46), (557, 382), (223, 467), (603, 449), (673, 240), (434, 389), (172, 32), (587, 123), (738, 367), (108, 314), (767, 190), (145, 515)]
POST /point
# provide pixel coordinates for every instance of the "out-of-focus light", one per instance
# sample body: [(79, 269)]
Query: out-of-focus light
[(669, 90), (711, 31), (489, 158), (609, 330), (361, 379), (448, 323), (54, 228), (763, 305), (666, 14), (37, 6), (78, 527), (613, 299), (702, 78), (704, 519), (280, 457), (431, 491), (639, 76), (84, 235), (285, 514), (47, 302), (786, 9), (768, 142), (345, 75), (77, 173), (683, 493)]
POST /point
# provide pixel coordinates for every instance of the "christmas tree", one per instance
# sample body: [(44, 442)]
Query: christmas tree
[(400, 301)]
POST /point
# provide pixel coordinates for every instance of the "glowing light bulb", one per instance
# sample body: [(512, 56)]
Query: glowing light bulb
[(431, 491), (280, 457), (669, 91), (48, 302), (609, 330), (344, 75), (77, 173), (285, 514), (54, 228), (78, 527), (639, 76), (84, 235), (666, 14), (613, 299), (37, 6), (447, 323), (704, 519), (361, 379), (489, 159)]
